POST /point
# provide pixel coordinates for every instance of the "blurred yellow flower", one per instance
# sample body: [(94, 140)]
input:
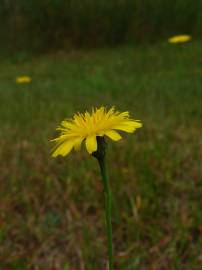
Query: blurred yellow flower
[(179, 39), (23, 79), (101, 122)]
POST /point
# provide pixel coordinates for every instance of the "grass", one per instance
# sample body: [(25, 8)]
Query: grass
[(51, 210), (53, 24)]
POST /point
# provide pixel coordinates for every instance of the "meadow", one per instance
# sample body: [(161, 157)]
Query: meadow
[(52, 24), (52, 210)]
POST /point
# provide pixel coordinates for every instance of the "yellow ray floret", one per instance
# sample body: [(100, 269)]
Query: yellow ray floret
[(179, 39), (23, 79), (101, 122)]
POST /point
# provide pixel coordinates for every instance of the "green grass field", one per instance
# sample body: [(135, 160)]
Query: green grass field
[(52, 210)]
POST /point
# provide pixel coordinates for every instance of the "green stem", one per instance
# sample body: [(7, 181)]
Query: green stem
[(100, 155), (108, 209), (108, 206)]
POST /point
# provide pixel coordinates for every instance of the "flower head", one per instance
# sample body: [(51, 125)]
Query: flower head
[(101, 122), (23, 79), (179, 39)]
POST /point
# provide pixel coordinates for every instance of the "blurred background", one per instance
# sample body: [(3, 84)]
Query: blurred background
[(59, 57), (55, 24)]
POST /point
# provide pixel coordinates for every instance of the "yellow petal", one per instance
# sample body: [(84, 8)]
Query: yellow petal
[(129, 126), (114, 135), (64, 148), (91, 144), (77, 144)]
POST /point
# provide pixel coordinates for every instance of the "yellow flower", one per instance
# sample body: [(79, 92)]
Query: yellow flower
[(101, 122), (23, 79), (179, 39)]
